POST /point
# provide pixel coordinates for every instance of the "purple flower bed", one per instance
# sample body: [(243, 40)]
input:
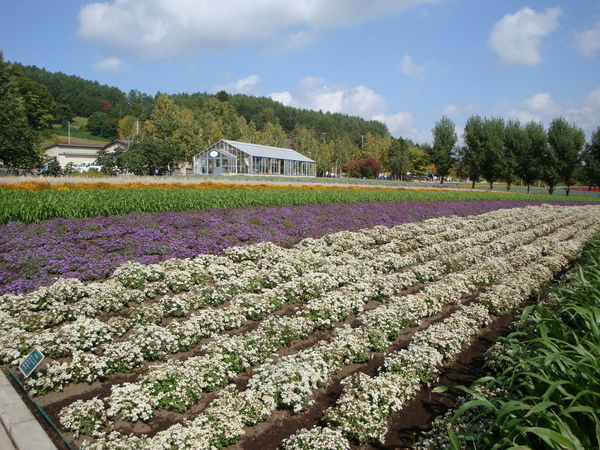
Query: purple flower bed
[(34, 255)]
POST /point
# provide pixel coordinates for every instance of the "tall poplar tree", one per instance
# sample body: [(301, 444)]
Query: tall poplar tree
[(472, 153), (515, 142), (493, 158), (567, 142), (591, 159), (398, 158), (529, 160), (444, 140)]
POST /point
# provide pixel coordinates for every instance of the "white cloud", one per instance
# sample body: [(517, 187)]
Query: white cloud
[(404, 124), (588, 42), (540, 103), (171, 30), (245, 86), (410, 69), (109, 65), (452, 110), (517, 38), (284, 98), (362, 101), (314, 93), (584, 112), (587, 114), (539, 107)]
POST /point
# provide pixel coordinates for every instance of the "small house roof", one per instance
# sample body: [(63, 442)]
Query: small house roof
[(78, 153), (118, 143), (74, 146)]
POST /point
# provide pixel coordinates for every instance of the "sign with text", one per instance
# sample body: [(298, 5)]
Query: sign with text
[(31, 362)]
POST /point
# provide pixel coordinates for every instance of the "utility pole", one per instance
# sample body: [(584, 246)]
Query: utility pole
[(69, 130)]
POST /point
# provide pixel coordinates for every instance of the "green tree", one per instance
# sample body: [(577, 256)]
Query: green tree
[(420, 161), (247, 130), (18, 141), (515, 144), (128, 126), (222, 96), (591, 159), (139, 104), (441, 154), (164, 140), (40, 106), (376, 146), (305, 141), (567, 141), (549, 166), (471, 155), (153, 157), (399, 161), (51, 166), (100, 124), (530, 159), (272, 135), (225, 119), (492, 161), (339, 150), (112, 163), (188, 135)]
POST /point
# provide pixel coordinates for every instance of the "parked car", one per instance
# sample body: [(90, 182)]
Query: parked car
[(84, 167)]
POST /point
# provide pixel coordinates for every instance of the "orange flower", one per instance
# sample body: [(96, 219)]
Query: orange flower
[(207, 185)]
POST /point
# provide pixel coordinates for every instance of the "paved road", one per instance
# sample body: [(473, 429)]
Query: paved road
[(19, 429)]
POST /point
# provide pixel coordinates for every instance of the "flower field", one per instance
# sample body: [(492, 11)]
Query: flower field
[(209, 337), (36, 201), (33, 255)]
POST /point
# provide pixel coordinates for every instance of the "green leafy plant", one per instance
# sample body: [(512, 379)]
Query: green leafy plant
[(551, 386)]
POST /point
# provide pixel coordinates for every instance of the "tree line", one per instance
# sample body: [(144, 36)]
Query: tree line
[(499, 150), (183, 124), (166, 131)]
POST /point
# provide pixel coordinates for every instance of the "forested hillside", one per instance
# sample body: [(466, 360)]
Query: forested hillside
[(200, 119), (166, 131), (75, 96)]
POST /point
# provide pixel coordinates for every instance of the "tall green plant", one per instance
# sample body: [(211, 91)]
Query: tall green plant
[(550, 387)]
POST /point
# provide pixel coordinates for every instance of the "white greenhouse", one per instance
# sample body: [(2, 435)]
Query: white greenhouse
[(240, 158)]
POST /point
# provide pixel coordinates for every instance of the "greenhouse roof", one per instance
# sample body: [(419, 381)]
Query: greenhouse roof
[(265, 151)]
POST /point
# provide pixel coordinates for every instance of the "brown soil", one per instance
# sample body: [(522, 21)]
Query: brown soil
[(404, 427), (407, 425)]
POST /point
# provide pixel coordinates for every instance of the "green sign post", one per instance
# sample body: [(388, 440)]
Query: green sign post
[(31, 362)]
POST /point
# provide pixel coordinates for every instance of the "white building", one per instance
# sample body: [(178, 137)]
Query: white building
[(240, 158), (81, 155), (72, 153)]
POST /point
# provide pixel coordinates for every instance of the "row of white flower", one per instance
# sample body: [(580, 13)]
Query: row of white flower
[(301, 387), (69, 299), (364, 407), (128, 353), (62, 296), (215, 368), (369, 400)]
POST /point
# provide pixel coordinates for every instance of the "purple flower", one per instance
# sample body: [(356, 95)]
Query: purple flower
[(34, 255)]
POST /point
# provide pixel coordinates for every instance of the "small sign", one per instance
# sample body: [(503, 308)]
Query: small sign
[(31, 362)]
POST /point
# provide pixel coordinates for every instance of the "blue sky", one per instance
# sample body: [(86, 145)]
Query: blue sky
[(406, 63)]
